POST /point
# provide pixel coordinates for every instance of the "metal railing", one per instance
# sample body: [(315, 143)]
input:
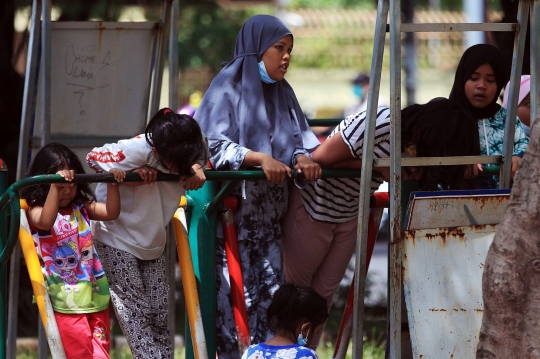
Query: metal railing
[(10, 206)]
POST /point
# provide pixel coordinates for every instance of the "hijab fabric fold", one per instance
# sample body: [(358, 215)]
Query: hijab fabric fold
[(474, 57), (239, 107)]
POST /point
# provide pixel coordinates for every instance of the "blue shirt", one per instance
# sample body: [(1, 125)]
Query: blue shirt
[(492, 139), (265, 351)]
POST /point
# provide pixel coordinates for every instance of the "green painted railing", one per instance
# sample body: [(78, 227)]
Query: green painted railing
[(11, 197), (324, 122)]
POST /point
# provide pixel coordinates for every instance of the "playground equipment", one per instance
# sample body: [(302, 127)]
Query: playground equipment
[(205, 205), (39, 287), (379, 201), (189, 281), (235, 272), (199, 312), (453, 229), (391, 10), (81, 58)]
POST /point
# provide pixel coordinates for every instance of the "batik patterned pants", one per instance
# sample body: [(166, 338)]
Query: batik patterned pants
[(140, 294), (262, 273)]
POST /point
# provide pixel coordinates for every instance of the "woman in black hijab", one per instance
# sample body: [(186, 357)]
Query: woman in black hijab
[(480, 77), (252, 118)]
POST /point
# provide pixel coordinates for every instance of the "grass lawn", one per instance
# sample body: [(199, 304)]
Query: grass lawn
[(372, 350)]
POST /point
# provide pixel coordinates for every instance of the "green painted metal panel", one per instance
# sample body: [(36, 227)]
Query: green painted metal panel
[(202, 240)]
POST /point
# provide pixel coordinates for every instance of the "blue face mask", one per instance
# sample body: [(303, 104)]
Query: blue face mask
[(301, 340), (358, 91), (264, 75)]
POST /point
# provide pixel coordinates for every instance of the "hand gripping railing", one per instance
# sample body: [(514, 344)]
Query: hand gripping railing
[(11, 196)]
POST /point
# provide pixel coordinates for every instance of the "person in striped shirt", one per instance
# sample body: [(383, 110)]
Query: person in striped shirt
[(320, 225)]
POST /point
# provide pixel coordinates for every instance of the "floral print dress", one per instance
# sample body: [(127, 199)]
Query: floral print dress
[(262, 205), (492, 141)]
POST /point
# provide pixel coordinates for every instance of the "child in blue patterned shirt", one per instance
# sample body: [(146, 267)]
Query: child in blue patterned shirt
[(296, 315), (480, 77)]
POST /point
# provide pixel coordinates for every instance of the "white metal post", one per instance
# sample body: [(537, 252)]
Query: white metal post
[(365, 179), (395, 184), (535, 61), (517, 65), (474, 12)]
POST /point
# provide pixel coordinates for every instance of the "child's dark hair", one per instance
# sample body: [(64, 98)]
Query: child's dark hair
[(440, 128), (49, 160), (292, 305), (178, 140)]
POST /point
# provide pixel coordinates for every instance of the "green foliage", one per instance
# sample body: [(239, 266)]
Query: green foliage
[(333, 4), (208, 35)]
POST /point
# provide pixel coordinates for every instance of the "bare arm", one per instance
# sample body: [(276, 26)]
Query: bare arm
[(44, 217), (109, 210), (332, 151)]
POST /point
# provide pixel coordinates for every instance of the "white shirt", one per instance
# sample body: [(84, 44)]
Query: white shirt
[(145, 210)]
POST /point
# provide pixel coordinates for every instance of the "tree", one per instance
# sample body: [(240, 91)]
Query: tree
[(511, 279), (208, 34)]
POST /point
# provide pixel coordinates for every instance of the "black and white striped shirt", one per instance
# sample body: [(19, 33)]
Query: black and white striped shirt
[(335, 200)]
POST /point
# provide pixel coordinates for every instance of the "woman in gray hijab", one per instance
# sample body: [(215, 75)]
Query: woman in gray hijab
[(252, 118)]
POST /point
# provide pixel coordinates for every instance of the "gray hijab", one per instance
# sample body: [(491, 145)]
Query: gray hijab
[(239, 107)]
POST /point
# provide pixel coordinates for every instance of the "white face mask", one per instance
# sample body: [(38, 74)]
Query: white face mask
[(264, 74)]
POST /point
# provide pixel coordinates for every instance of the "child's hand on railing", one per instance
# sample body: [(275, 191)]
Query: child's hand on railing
[(67, 174), (147, 173), (197, 180), (118, 174)]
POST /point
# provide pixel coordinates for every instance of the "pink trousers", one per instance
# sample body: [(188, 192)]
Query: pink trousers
[(315, 254), (85, 336)]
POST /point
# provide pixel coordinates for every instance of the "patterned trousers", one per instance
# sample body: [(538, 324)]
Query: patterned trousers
[(140, 294), (262, 272)]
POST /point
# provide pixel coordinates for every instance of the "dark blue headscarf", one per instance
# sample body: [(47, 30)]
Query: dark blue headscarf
[(239, 107)]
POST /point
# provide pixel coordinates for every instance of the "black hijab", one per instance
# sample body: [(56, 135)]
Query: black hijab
[(474, 57), (239, 107), (440, 128)]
